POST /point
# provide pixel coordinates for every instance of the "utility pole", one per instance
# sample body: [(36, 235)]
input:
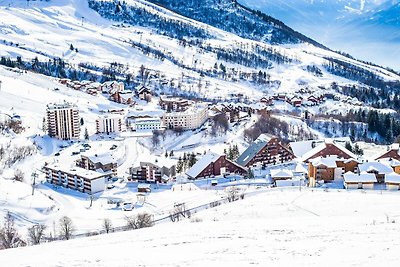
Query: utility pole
[(34, 176)]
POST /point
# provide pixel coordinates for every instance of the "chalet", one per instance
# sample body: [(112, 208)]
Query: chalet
[(393, 153), (377, 168), (295, 101), (76, 178), (279, 175), (313, 100), (105, 163), (300, 148), (361, 180), (151, 173), (266, 150), (268, 101), (328, 148), (281, 97), (143, 93), (392, 181), (212, 164), (111, 87), (394, 163), (331, 168)]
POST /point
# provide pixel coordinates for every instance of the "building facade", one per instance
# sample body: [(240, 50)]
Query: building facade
[(190, 119), (174, 104), (266, 150), (63, 121), (109, 124), (85, 181), (151, 173), (105, 164), (145, 124), (212, 164)]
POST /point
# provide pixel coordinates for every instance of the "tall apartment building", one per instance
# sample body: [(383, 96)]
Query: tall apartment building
[(190, 119), (63, 121), (109, 124)]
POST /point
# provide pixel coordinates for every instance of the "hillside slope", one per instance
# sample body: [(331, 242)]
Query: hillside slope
[(280, 227)]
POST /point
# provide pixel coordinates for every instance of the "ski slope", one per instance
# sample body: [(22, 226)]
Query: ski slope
[(281, 227)]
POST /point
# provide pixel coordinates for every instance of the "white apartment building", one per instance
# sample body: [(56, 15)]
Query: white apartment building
[(190, 119), (63, 121), (109, 124), (145, 124)]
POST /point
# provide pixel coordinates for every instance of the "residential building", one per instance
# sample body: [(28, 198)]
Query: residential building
[(392, 153), (330, 168), (63, 121), (266, 150), (377, 168), (109, 124), (143, 93), (174, 104), (392, 181), (151, 173), (212, 164), (299, 148), (190, 119), (280, 174), (328, 148), (76, 178), (361, 180), (105, 163), (145, 124)]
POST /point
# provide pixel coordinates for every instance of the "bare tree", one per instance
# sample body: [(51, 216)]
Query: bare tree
[(9, 237), (232, 193), (179, 212), (18, 175), (107, 225), (141, 220), (66, 227), (36, 233)]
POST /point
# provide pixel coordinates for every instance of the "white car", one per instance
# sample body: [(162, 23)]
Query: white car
[(127, 206)]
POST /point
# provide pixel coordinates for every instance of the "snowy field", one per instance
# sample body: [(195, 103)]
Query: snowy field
[(279, 227)]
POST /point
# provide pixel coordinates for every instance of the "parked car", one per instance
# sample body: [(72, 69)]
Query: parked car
[(127, 206)]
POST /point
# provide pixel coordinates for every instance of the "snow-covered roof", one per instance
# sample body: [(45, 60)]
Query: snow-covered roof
[(375, 166), (322, 146), (393, 178), (364, 177), (280, 173), (329, 162), (390, 162), (105, 158), (87, 174), (201, 164), (300, 168), (299, 148)]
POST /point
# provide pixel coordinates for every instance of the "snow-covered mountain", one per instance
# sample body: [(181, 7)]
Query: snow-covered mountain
[(366, 29)]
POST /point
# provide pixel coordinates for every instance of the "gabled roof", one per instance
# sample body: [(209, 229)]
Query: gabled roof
[(350, 177), (392, 178), (324, 145), (329, 162), (279, 173), (375, 166), (390, 162), (253, 149), (202, 163), (140, 89), (299, 148)]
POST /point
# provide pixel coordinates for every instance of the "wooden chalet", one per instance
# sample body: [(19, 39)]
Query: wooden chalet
[(212, 164), (266, 150)]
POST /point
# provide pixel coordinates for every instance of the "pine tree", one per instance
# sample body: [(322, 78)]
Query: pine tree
[(179, 165), (192, 160), (171, 154), (86, 134), (44, 125), (166, 154)]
